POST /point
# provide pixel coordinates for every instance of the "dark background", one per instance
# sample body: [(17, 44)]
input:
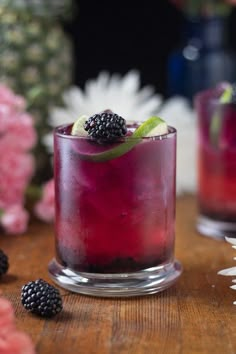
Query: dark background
[(121, 35)]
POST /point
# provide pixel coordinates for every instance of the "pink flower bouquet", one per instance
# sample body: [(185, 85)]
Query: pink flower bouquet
[(17, 137)]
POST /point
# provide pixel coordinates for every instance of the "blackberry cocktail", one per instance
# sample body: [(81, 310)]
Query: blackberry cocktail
[(115, 206), (217, 161)]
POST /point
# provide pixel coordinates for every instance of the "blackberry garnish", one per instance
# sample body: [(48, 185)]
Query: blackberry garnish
[(106, 127), (4, 265), (41, 298)]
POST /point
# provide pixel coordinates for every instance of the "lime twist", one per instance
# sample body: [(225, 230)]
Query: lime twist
[(216, 122), (78, 126), (153, 126)]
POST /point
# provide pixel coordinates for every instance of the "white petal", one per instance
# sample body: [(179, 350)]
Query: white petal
[(48, 142), (177, 112), (233, 287), (228, 271), (102, 80), (145, 93), (59, 116), (149, 106), (131, 82), (114, 83), (72, 98), (231, 240)]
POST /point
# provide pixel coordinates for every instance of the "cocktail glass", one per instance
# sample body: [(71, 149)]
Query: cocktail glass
[(216, 165), (115, 220)]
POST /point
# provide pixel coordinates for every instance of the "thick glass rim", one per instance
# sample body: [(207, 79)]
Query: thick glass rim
[(171, 133), (201, 98)]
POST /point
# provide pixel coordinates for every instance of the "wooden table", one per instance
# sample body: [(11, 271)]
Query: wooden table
[(194, 316)]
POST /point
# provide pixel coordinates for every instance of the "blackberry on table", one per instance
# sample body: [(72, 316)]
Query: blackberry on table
[(106, 126), (4, 265), (41, 298)]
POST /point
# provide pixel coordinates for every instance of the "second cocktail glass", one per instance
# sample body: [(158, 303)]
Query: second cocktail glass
[(216, 164)]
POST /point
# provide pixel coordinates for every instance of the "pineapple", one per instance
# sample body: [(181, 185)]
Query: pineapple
[(36, 57)]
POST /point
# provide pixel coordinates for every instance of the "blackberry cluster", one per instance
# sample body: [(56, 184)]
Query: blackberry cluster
[(41, 298), (4, 265), (106, 127)]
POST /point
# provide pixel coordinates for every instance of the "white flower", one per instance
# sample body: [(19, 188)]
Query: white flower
[(178, 113), (120, 94), (230, 271), (124, 96)]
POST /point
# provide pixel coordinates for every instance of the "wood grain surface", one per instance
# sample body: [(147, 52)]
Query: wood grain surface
[(196, 315)]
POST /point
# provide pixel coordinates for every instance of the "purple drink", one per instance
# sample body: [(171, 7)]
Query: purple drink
[(115, 219), (216, 164)]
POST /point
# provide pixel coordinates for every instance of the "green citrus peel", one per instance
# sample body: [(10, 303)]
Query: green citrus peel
[(78, 126), (216, 121), (153, 126)]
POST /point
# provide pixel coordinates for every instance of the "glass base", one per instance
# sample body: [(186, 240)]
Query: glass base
[(215, 229), (148, 281)]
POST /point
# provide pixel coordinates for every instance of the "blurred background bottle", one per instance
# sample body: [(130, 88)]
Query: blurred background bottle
[(204, 58)]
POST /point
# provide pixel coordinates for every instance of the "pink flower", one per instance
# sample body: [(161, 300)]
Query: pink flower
[(12, 341), (9, 98), (16, 126), (11, 107), (17, 137), (45, 208), (16, 170), (15, 219), (21, 134), (6, 316)]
